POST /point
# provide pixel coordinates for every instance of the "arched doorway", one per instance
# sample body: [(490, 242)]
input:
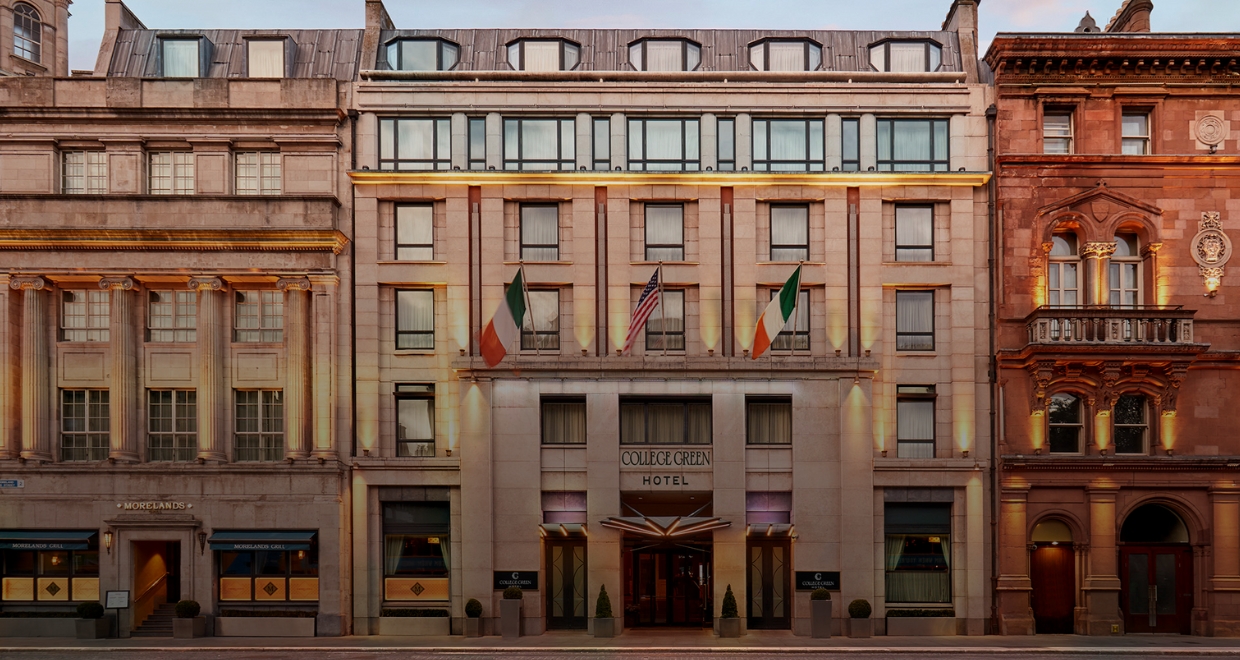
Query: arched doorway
[(1156, 572), (1052, 569)]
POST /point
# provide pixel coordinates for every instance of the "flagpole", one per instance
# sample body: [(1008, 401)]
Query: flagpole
[(662, 315), (796, 313), (529, 309)]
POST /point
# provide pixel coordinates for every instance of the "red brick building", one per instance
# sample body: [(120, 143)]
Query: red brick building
[(1117, 334)]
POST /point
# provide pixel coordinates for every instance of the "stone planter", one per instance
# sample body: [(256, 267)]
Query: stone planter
[(604, 628), (860, 628), (921, 626), (510, 618), (820, 619), (93, 628), (189, 628), (49, 627), (264, 626), (730, 628), (415, 626), (473, 627)]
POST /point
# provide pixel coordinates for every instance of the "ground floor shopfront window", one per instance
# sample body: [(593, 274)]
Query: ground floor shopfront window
[(416, 551), (48, 566), (918, 553), (267, 567)]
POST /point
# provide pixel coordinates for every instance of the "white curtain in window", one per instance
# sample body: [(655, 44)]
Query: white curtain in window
[(914, 225), (415, 311), (416, 419), (393, 544), (757, 56), (908, 57), (915, 311), (915, 419), (665, 423), (664, 140), (539, 139), (665, 56), (564, 423), (698, 419), (414, 226), (542, 56), (770, 423), (787, 56), (419, 56), (417, 138), (544, 311), (633, 423), (912, 140), (670, 312), (180, 58), (266, 59), (540, 225), (789, 225), (665, 225), (788, 140)]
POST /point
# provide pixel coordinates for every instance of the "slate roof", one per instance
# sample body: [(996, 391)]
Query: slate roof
[(319, 53)]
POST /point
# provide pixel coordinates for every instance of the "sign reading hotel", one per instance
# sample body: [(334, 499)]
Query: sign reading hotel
[(666, 469)]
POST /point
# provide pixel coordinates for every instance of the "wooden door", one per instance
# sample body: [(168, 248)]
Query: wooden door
[(1156, 588), (1053, 573)]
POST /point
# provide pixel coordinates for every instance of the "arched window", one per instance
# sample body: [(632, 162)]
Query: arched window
[(1131, 424), (1125, 275), (1063, 282), (1064, 418), (27, 32)]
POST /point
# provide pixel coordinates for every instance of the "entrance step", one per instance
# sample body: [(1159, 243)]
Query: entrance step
[(158, 624)]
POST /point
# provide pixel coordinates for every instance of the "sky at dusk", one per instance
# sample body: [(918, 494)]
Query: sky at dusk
[(86, 24)]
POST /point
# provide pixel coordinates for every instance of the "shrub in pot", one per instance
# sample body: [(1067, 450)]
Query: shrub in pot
[(859, 624), (187, 609), (820, 614), (187, 623), (510, 613), (473, 618), (90, 623), (729, 619), (604, 621), (90, 610)]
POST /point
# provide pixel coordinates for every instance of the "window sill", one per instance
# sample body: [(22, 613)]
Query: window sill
[(89, 342), (916, 263), (411, 262), (28, 62), (789, 263), (665, 263), (538, 263), (931, 354), (414, 351), (170, 343), (257, 344)]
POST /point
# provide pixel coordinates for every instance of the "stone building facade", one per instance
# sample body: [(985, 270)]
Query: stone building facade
[(1119, 511)]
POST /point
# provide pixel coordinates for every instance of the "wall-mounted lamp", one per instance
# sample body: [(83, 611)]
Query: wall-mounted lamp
[(1170, 451), (710, 352), (107, 541), (1037, 451), (867, 352), (462, 352), (202, 543), (884, 452), (965, 453), (366, 453), (583, 352)]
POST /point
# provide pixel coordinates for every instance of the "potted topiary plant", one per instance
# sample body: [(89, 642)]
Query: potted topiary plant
[(729, 620), (187, 623), (473, 618), (604, 622), (91, 623), (820, 614), (859, 624), (510, 613)]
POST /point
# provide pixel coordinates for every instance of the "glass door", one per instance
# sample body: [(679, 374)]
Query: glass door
[(1157, 589), (668, 587), (566, 583), (769, 605)]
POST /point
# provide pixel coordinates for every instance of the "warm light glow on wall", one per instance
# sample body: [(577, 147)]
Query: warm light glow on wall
[(1102, 430), (474, 405), (1039, 290), (880, 427), (367, 417), (1168, 429), (1037, 429), (1163, 291), (965, 426), (871, 322), (460, 327), (618, 322), (709, 319), (583, 323), (856, 410), (837, 323), (746, 322)]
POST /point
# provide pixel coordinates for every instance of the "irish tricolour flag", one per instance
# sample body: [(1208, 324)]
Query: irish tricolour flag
[(504, 330), (777, 314)]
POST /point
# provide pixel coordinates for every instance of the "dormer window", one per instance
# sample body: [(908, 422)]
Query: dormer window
[(906, 56), (422, 55), (785, 55), (543, 55), (665, 55), (265, 58), (181, 57)]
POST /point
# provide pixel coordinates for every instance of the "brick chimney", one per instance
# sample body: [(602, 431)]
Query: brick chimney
[(1133, 16), (962, 19), (377, 19), (116, 17)]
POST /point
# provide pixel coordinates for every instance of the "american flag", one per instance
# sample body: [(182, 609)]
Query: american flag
[(645, 307)]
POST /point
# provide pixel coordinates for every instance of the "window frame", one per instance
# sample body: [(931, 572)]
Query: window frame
[(926, 247), (441, 157), (810, 163), (284, 56), (673, 337), (792, 341), (565, 44), (1079, 425), (1144, 426), (405, 448), (772, 246), (1116, 288), (684, 164), (400, 333), (198, 59), (98, 324), (934, 165), (28, 46), (265, 451), (1055, 270), (1146, 140), (546, 400), (647, 246), (268, 166), (540, 339), (94, 176), (522, 245), (684, 401), (725, 164), (808, 45), (600, 136), (931, 334), (97, 444), (1069, 140), (930, 44), (850, 164), (399, 43), (268, 301), (908, 394), (685, 45), (188, 332), (767, 399), (561, 162), (397, 246), (176, 449), (181, 175), (290, 573), (477, 156)]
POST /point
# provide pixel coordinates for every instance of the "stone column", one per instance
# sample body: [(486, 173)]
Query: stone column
[(867, 130), (1097, 262), (1102, 568), (584, 141), (297, 356), (323, 364), (495, 141), (743, 142), (1014, 585), (36, 369), (211, 403), (10, 416), (1224, 589), (459, 124), (123, 394), (619, 141)]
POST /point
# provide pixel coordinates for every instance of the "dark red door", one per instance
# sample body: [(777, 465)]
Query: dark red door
[(1156, 588), (1053, 572)]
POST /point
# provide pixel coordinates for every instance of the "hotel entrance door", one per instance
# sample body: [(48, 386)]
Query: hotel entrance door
[(667, 585)]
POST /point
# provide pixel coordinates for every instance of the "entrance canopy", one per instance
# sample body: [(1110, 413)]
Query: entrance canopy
[(666, 527), (44, 539), (278, 541)]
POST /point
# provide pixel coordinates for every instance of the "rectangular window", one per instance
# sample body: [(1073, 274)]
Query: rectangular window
[(85, 423), (180, 58), (540, 232), (850, 145), (768, 420), (789, 339), (563, 421), (539, 144), (417, 550), (914, 233), (415, 420), (665, 330), (415, 320), (665, 232), (726, 130), (415, 144), (260, 425), (540, 329), (288, 574), (84, 172), (1131, 425), (1057, 133), (664, 145), (259, 317), (1136, 133), (788, 145), (69, 573), (665, 421), (172, 316), (172, 173), (913, 145), (1063, 414), (172, 425), (914, 320), (602, 143), (915, 421), (790, 233), (85, 315), (918, 553), (415, 232), (265, 58), (477, 143), (258, 173)]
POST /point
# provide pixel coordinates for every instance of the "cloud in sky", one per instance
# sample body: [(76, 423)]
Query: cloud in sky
[(86, 26)]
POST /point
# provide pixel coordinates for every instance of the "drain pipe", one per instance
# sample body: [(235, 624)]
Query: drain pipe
[(992, 234)]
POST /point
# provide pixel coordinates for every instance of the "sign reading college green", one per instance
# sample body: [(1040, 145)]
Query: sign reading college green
[(665, 458), (526, 580), (811, 580)]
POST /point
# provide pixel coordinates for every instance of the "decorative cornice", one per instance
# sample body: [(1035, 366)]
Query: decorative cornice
[(109, 283), (205, 283), (604, 178), (208, 240), (1119, 464), (27, 283), (293, 284)]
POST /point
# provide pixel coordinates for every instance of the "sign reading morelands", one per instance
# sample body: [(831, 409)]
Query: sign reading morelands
[(526, 580), (811, 580), (665, 458), (154, 506)]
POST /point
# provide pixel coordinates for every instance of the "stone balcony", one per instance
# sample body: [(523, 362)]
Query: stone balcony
[(1128, 327)]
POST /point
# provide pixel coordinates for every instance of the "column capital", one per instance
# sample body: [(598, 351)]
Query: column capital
[(1099, 249), (122, 283), (325, 280), (293, 284), (205, 283), (28, 283)]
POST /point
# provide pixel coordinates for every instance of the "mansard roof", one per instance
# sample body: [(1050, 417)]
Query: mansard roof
[(319, 53)]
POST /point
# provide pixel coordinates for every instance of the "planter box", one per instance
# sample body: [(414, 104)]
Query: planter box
[(510, 618), (860, 628), (415, 626), (93, 628), (189, 628), (263, 626), (39, 627), (921, 626), (604, 628), (730, 628), (473, 627), (820, 619)]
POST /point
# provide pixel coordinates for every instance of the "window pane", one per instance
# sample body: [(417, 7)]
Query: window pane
[(914, 320), (415, 319), (667, 322), (419, 55), (415, 419), (180, 58), (563, 422), (477, 143), (1064, 409), (602, 143), (727, 142), (266, 59), (908, 57), (664, 232), (540, 233), (1136, 125), (851, 145), (542, 56), (789, 233), (415, 233), (541, 327), (788, 140), (665, 56), (757, 56), (770, 422), (915, 419), (540, 139), (914, 233), (878, 57), (786, 56)]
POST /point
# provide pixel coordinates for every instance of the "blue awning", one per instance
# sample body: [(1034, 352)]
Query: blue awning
[(247, 540), (45, 539)]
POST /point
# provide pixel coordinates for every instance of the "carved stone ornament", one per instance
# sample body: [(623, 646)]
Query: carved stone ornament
[(109, 283), (205, 283), (293, 284), (1099, 250), (27, 283), (1211, 249), (1211, 131)]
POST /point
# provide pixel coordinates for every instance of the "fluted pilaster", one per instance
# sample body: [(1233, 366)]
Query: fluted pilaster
[(296, 382), (36, 371), (10, 416), (211, 403), (123, 394), (323, 376)]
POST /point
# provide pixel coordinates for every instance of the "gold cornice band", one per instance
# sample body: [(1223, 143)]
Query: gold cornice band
[(129, 240), (613, 178)]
